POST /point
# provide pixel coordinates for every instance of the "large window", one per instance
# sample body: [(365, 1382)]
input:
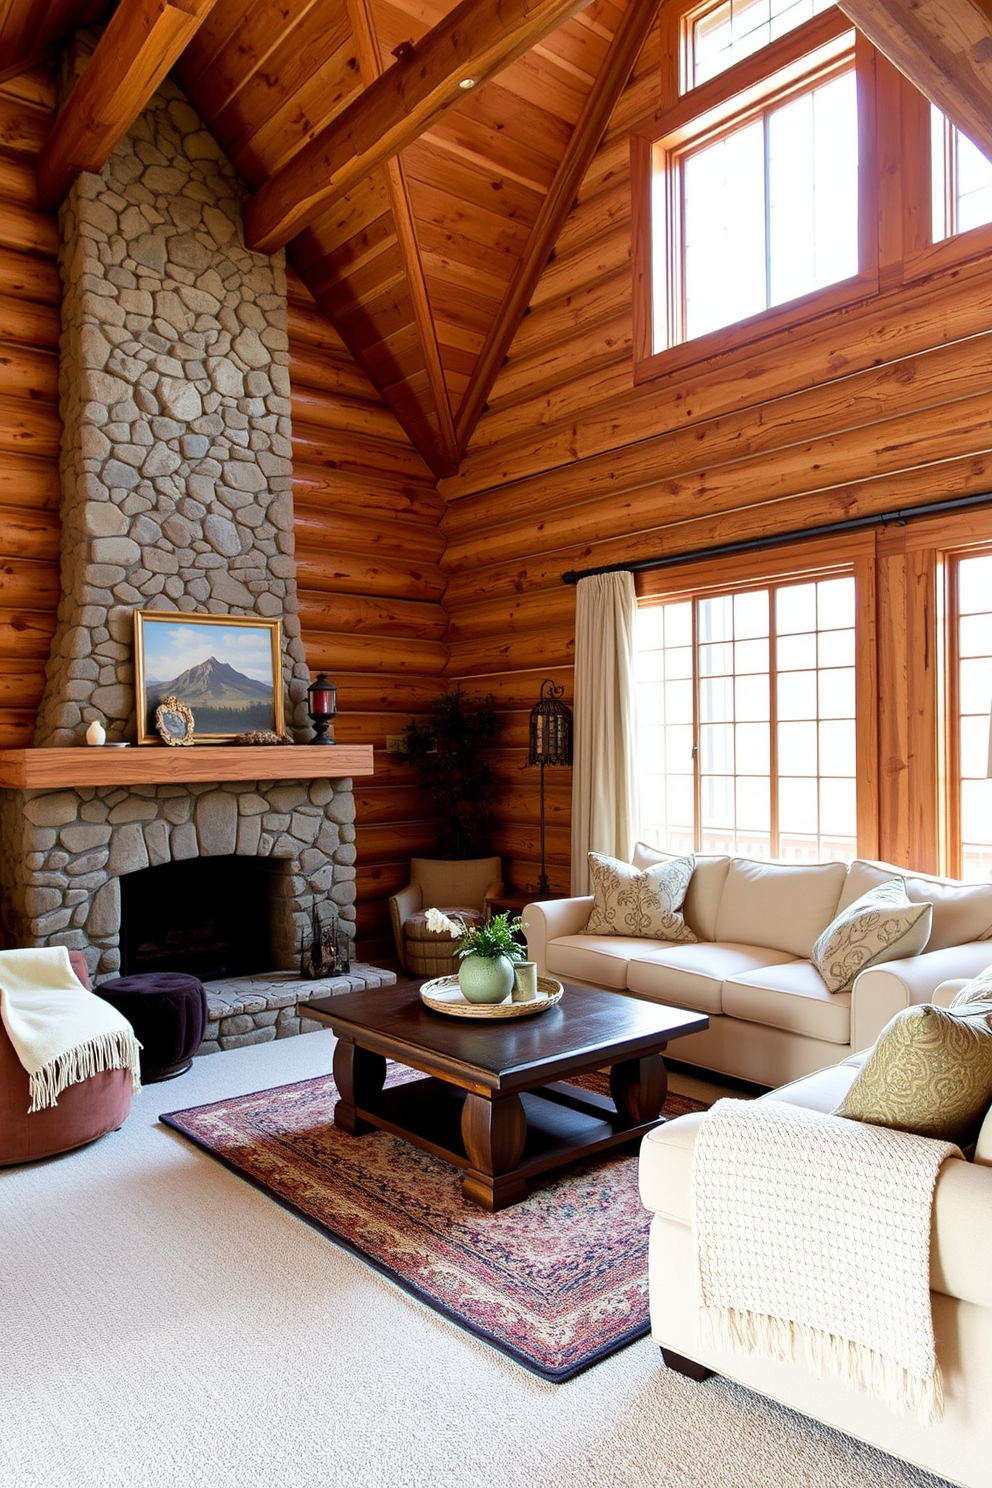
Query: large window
[(766, 212), (747, 715), (790, 174)]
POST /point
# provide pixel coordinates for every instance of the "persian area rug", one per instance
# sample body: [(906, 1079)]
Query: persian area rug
[(558, 1282)]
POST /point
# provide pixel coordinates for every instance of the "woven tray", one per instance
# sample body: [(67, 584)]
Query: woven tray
[(444, 995)]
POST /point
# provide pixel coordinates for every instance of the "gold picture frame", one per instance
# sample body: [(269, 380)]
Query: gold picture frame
[(227, 669)]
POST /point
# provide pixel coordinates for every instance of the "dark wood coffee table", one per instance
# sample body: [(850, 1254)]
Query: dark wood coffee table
[(495, 1101)]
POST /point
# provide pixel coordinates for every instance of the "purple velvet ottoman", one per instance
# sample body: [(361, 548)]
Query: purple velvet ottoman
[(168, 1012)]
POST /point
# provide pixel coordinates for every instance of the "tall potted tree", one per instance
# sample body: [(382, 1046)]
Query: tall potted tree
[(454, 775)]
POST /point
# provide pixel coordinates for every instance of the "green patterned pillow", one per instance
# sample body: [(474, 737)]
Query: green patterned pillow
[(930, 1072), (880, 926), (628, 901)]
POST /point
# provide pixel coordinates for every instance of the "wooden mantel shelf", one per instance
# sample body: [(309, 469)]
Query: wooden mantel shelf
[(157, 764)]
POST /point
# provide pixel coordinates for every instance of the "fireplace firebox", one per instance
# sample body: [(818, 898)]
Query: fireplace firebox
[(210, 917)]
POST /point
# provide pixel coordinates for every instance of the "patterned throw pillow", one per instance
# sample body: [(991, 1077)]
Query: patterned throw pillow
[(979, 989), (631, 902), (930, 1072), (880, 926)]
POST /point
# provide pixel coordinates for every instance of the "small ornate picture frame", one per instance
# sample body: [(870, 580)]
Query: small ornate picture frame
[(174, 721)]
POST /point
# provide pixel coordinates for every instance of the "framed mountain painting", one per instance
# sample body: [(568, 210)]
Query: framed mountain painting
[(226, 669)]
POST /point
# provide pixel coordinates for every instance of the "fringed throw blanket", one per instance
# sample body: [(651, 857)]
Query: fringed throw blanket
[(60, 1032), (813, 1237)]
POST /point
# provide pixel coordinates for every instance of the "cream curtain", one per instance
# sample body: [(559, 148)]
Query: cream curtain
[(604, 779)]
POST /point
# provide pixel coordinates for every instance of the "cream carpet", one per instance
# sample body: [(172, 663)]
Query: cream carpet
[(165, 1325)]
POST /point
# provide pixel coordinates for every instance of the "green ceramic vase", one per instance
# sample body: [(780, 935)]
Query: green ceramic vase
[(486, 978)]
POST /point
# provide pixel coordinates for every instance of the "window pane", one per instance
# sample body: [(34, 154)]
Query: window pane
[(797, 748), (753, 803), (838, 806), (838, 747), (752, 748), (716, 618), (678, 661), (797, 805), (796, 652), (734, 29), (678, 624), (974, 585), (836, 693), (835, 604), (751, 697), (797, 695), (974, 738), (960, 180), (751, 614), (795, 608), (975, 685), (716, 660), (716, 748), (836, 648), (716, 700), (723, 221), (751, 656), (813, 190)]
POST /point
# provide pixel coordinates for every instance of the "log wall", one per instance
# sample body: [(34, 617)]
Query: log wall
[(368, 551), (29, 410), (573, 465)]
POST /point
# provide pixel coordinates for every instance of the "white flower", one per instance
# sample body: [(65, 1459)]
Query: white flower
[(439, 924)]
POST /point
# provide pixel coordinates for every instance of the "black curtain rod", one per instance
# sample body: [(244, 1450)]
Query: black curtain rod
[(897, 518)]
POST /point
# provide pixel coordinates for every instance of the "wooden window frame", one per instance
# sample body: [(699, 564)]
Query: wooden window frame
[(809, 562), (895, 246)]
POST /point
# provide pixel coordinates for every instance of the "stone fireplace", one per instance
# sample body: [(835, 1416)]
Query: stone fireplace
[(177, 497)]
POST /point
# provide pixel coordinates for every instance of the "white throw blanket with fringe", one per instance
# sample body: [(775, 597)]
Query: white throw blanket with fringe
[(813, 1238), (61, 1033)]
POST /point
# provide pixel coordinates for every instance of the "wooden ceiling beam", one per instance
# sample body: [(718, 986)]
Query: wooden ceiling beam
[(142, 40), (944, 47), (474, 42), (624, 50), (445, 460)]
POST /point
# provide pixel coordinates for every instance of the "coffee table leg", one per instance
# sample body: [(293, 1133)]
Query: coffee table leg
[(359, 1075), (638, 1088), (493, 1132)]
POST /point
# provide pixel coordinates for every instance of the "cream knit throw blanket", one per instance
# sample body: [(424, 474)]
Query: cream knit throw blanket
[(60, 1032), (813, 1237)]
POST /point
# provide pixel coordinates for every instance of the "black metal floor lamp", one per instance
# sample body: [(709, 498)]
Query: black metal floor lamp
[(550, 744)]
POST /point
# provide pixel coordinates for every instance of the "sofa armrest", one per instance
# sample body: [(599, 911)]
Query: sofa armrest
[(549, 918), (962, 1209), (882, 991), (947, 991)]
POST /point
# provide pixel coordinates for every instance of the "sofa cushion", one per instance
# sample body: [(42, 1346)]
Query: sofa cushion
[(880, 926), (792, 997), (978, 989), (635, 901), (961, 912), (600, 959), (693, 976), (930, 1072), (778, 905), (702, 898)]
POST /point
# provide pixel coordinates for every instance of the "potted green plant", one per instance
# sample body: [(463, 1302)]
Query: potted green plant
[(454, 775), (487, 953)]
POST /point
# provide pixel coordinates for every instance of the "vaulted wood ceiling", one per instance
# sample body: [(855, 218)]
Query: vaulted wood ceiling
[(419, 211)]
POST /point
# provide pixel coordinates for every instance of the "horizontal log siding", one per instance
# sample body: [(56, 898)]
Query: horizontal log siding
[(878, 406), (30, 427), (370, 585)]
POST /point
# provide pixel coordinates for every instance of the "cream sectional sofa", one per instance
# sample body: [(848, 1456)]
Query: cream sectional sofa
[(772, 1019), (959, 1446)]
